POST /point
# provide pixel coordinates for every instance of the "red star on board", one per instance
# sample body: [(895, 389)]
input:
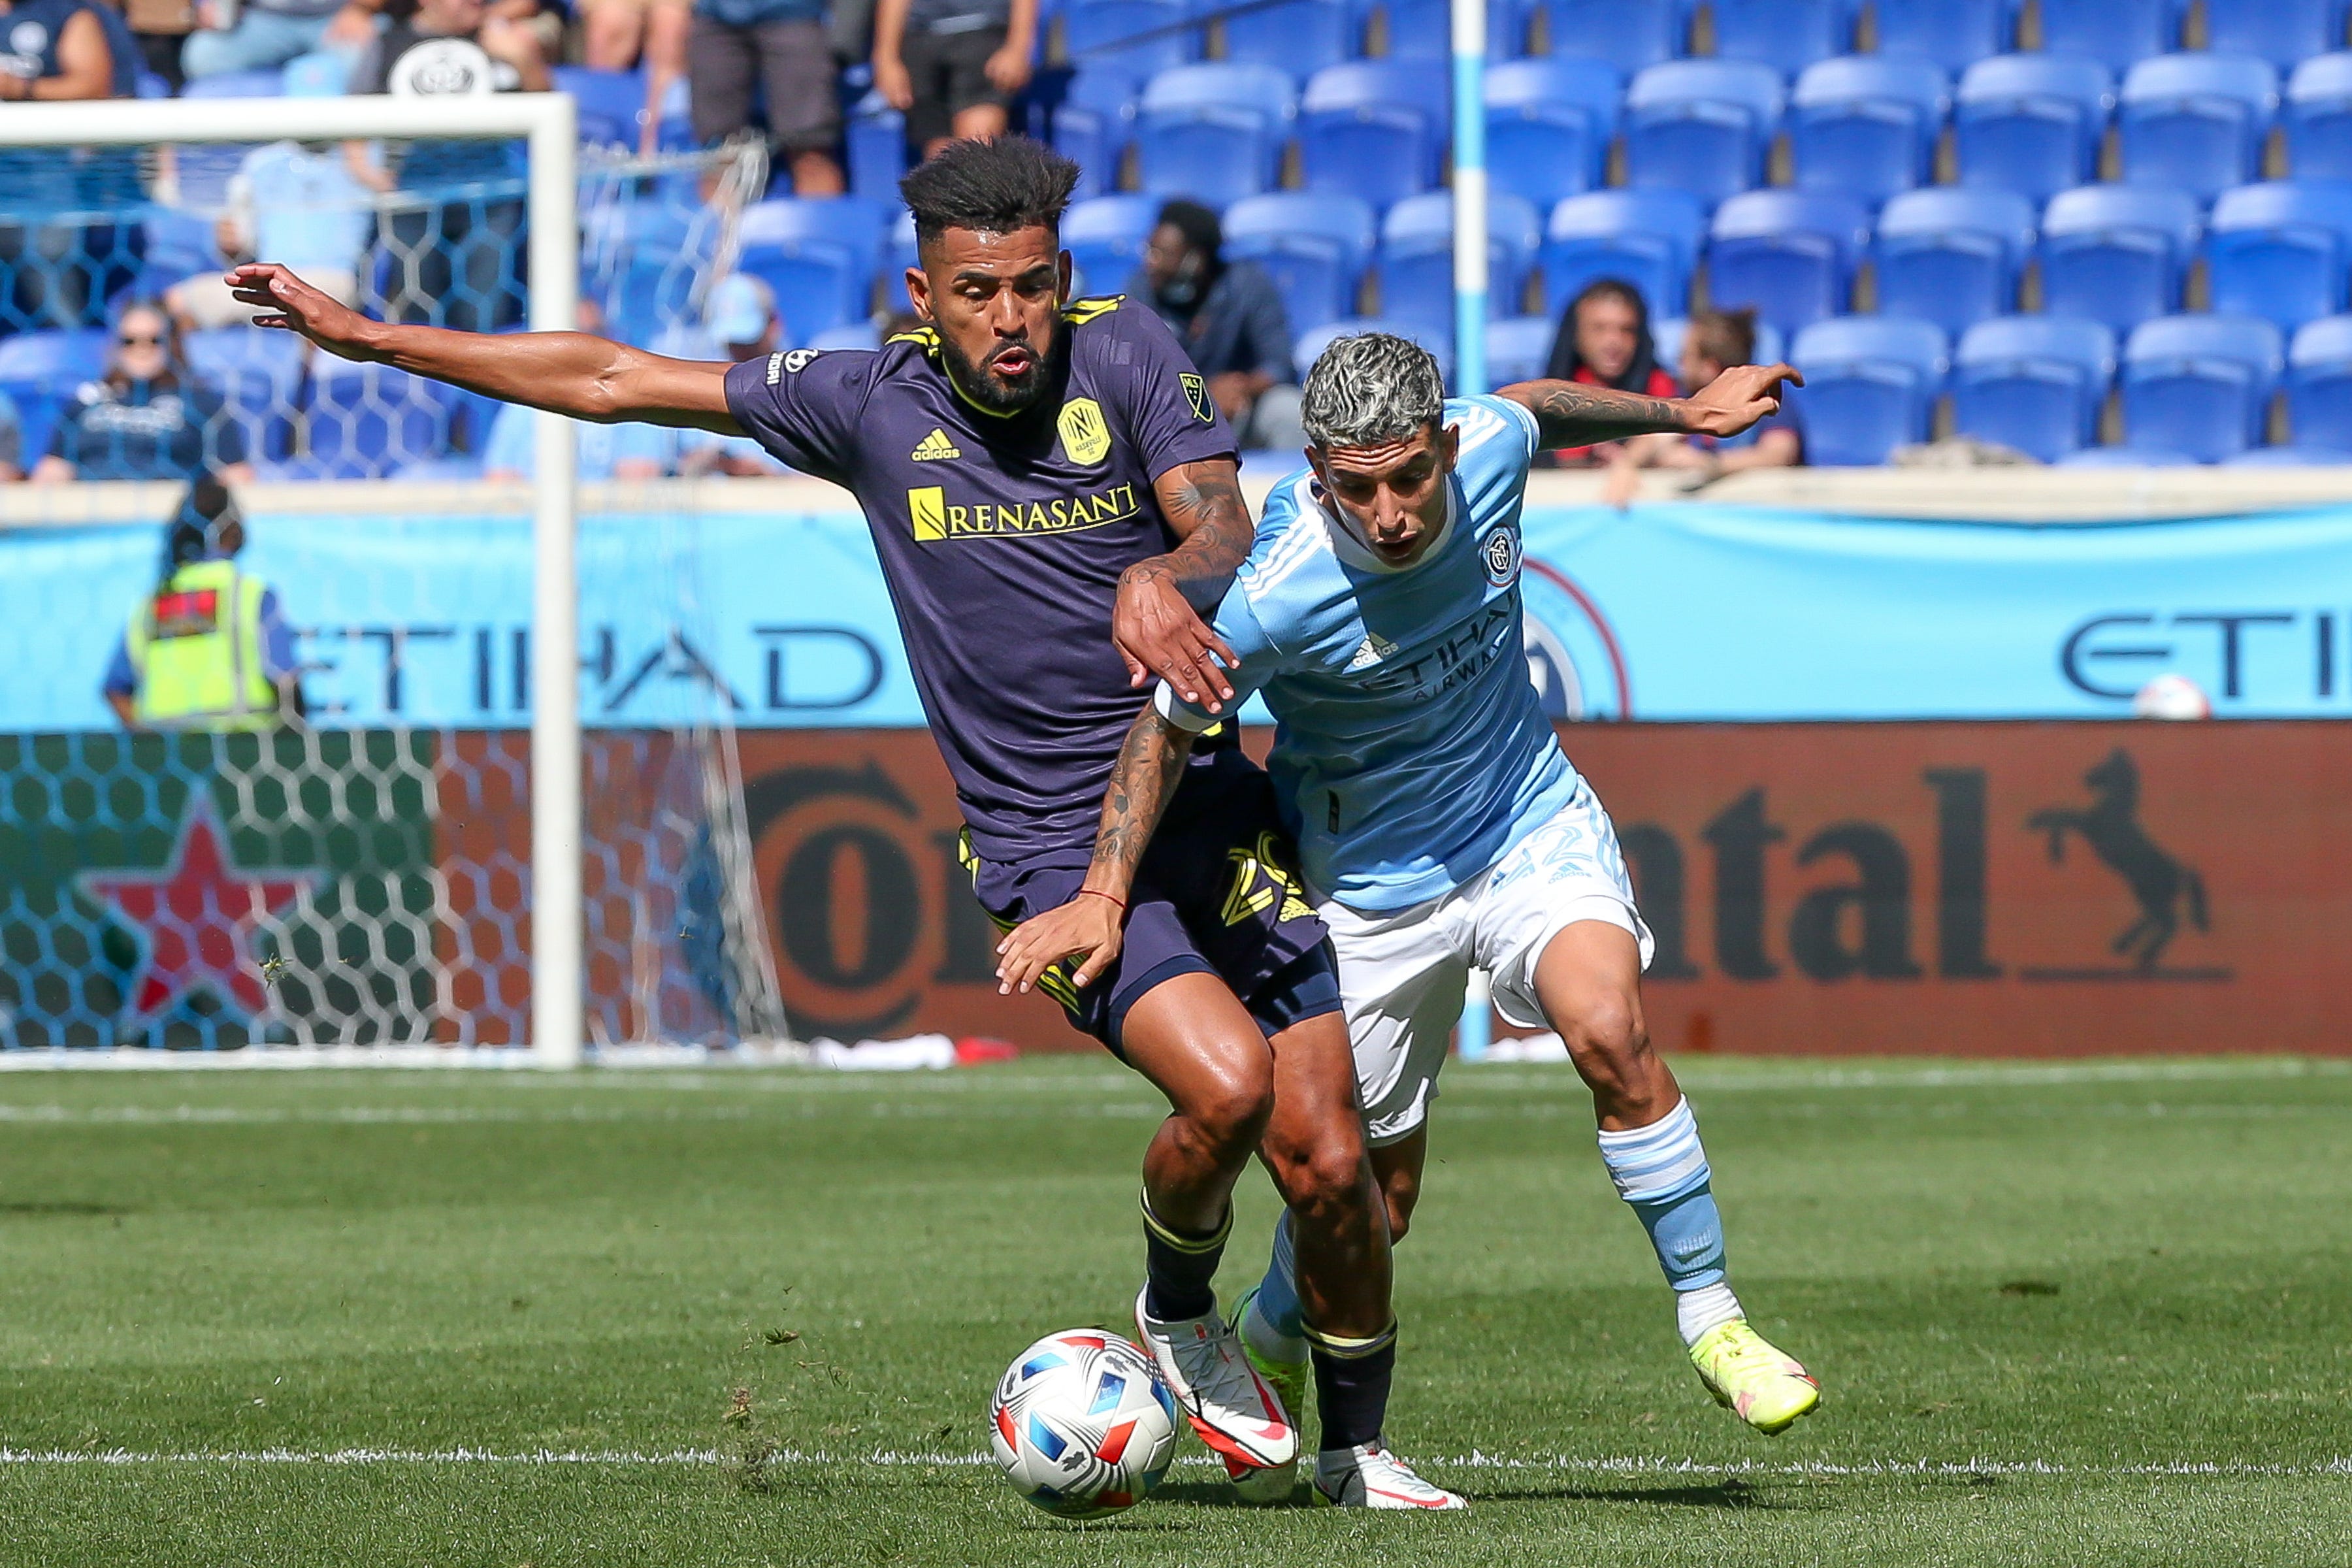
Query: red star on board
[(196, 916)]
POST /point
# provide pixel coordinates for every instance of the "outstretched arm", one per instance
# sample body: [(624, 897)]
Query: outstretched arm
[(1090, 926), (569, 372), (1569, 414), (1158, 624)]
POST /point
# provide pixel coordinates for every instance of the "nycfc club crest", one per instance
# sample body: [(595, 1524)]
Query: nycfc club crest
[(1196, 392), (1502, 552), (1086, 439)]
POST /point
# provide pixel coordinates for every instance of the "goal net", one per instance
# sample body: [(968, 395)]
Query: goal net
[(439, 852)]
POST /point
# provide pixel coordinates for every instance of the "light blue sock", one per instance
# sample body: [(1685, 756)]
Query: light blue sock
[(1278, 1325), (1661, 1171)]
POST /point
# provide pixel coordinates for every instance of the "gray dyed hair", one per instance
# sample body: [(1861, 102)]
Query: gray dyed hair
[(1370, 389)]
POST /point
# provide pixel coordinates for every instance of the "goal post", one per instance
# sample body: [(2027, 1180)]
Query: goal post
[(559, 1029)]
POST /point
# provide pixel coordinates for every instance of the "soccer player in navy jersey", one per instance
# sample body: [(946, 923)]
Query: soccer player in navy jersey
[(1054, 497), (1440, 824)]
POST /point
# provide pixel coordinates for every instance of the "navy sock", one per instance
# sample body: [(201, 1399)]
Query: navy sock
[(1351, 1386), (1179, 1269)]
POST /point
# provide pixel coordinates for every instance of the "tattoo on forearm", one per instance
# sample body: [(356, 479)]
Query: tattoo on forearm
[(1140, 783), (1206, 508), (1569, 414)]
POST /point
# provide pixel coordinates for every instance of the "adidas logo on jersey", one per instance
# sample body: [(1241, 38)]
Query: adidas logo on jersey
[(936, 447), (1376, 648)]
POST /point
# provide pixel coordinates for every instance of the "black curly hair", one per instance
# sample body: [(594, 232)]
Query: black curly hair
[(989, 187)]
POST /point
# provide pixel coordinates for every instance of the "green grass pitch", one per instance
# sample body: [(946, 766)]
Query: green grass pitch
[(2065, 1313)]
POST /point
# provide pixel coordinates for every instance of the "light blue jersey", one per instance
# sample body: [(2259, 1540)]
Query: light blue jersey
[(1411, 752)]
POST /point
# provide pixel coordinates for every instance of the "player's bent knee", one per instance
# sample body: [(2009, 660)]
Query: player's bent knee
[(1233, 1109), (1603, 1031)]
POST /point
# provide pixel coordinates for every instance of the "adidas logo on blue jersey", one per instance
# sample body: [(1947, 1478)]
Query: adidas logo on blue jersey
[(1376, 648), (935, 447)]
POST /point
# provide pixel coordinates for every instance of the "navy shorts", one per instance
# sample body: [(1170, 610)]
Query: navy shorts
[(1216, 894)]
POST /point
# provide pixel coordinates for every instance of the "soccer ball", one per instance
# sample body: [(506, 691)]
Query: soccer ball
[(2172, 696), (1081, 1424)]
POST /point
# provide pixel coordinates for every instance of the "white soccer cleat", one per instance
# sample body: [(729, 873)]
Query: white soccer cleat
[(1371, 1476), (1202, 1362)]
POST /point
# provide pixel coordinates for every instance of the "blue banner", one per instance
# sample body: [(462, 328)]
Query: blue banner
[(1685, 612)]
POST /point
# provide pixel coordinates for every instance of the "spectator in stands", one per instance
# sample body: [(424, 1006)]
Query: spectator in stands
[(262, 35), (1230, 318), (59, 274), (622, 451), (1714, 342), (284, 199), (161, 28), (737, 47), (12, 440), (209, 648), (457, 260), (62, 50), (618, 35), (952, 67), (742, 317), (147, 417), (1604, 341)]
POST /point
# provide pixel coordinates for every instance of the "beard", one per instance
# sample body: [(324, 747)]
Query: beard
[(1000, 394)]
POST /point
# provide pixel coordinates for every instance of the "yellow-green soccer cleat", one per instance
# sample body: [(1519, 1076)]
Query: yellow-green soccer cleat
[(1272, 1483), (1763, 1386)]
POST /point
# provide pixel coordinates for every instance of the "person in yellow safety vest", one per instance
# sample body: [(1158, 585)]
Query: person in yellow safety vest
[(207, 649)]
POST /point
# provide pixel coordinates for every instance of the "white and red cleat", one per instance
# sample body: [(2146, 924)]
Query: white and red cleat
[(1229, 1404), (1371, 1476)]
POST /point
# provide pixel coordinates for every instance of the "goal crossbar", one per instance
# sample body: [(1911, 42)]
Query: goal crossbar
[(549, 123)]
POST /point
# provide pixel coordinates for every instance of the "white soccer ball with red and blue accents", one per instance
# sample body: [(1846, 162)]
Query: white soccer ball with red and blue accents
[(1082, 1425)]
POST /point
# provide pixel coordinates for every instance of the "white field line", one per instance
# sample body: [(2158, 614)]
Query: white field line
[(1630, 1465)]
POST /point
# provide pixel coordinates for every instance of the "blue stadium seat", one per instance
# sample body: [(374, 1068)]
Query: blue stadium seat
[(258, 372), (1789, 253), (1105, 236), (237, 84), (2126, 456), (1631, 35), (1869, 386), (1787, 34), (2116, 253), (818, 255), (1518, 348), (2199, 384), (2118, 33), (607, 102), (1867, 124), (850, 335), (1095, 34), (368, 421), (1423, 29), (2279, 250), (1954, 33), (2033, 382), (323, 73), (648, 254), (1701, 126), (2196, 122), (898, 253), (1213, 133), (2319, 118), (1316, 248), (1311, 344), (2319, 383), (1548, 123), (1951, 254), (2283, 32), (1300, 37), (2290, 457), (39, 371), (1416, 260), (1374, 128), (1648, 238), (2031, 123), (1094, 123), (874, 135)]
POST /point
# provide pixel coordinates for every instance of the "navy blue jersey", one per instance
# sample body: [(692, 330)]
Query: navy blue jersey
[(1002, 538)]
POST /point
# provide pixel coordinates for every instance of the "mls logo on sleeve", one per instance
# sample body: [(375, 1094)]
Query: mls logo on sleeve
[(1196, 392), (1502, 552)]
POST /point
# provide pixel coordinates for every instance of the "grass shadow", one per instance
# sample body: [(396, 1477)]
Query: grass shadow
[(1729, 1493), (34, 1208)]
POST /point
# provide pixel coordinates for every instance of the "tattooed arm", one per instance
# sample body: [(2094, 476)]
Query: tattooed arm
[(1158, 624), (1090, 927), (1569, 414)]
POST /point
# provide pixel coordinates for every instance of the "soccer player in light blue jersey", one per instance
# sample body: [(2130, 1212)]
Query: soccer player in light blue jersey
[(1440, 826)]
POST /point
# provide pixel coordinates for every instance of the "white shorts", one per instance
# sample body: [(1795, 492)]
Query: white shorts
[(1402, 973)]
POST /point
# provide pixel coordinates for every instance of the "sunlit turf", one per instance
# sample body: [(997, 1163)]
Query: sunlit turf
[(2065, 1313)]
